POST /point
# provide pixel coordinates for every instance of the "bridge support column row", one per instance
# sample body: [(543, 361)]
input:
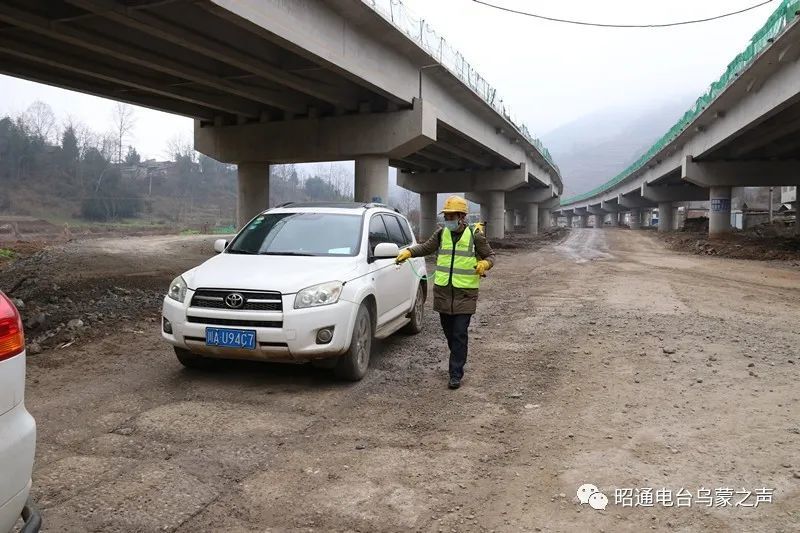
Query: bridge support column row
[(583, 221), (569, 221)]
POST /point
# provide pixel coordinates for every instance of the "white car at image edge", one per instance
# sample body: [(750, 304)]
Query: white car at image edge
[(17, 427), (300, 283)]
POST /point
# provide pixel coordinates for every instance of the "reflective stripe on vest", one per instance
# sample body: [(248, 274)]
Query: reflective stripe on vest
[(457, 262)]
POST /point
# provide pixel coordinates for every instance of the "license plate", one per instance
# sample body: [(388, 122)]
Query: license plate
[(231, 338)]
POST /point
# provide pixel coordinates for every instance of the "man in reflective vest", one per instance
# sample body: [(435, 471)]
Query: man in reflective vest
[(464, 257)]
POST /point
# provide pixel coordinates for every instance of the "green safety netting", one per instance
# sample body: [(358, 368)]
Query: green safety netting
[(437, 47), (775, 24)]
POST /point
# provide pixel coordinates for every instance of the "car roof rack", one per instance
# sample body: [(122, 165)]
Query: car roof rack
[(377, 204), (351, 205)]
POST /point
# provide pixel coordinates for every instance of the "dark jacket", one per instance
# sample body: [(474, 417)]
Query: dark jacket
[(451, 300)]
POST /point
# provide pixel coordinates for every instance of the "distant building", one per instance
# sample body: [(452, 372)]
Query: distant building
[(150, 170)]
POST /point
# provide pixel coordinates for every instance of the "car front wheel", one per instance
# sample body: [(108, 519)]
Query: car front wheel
[(417, 314), (353, 364)]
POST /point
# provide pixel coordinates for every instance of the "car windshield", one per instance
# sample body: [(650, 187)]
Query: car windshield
[(300, 234)]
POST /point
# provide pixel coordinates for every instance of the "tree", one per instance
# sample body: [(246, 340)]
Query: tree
[(318, 189), (342, 179), (124, 122), (180, 146), (132, 157), (40, 119), (69, 143)]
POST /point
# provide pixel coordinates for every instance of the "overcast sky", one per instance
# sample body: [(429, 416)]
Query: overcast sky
[(549, 73)]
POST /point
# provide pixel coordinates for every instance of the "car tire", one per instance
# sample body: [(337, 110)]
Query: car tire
[(190, 360), (353, 364), (417, 313)]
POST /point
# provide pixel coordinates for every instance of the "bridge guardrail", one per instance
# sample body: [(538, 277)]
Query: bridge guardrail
[(426, 37), (776, 23)]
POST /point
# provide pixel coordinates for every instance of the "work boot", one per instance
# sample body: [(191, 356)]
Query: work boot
[(454, 382)]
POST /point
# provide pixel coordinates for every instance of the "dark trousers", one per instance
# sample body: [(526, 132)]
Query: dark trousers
[(455, 329)]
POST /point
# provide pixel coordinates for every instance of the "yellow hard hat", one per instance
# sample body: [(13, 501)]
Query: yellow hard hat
[(455, 204)]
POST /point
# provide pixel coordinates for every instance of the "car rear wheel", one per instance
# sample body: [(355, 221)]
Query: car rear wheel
[(353, 364), (417, 314), (190, 360)]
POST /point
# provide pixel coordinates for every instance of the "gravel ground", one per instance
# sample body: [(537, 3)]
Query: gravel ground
[(602, 358)]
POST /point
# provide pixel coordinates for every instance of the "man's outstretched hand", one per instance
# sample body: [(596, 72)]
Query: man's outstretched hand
[(402, 256)]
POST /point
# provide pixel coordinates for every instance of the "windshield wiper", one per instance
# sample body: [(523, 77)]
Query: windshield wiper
[(243, 252), (300, 254)]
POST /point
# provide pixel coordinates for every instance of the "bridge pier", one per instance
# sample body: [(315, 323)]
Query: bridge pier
[(508, 222), (635, 219), (544, 218), (797, 214), (533, 218), (495, 225), (719, 214), (484, 212), (569, 221), (583, 221), (676, 218), (253, 187), (427, 201), (372, 179), (664, 216)]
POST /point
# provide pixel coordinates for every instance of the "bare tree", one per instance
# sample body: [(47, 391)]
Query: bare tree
[(107, 144), (407, 201), (181, 146), (341, 178), (41, 120), (124, 122)]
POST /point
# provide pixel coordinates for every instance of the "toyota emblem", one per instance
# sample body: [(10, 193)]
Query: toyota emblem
[(234, 300)]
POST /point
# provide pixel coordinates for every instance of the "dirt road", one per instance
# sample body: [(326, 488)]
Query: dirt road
[(603, 359)]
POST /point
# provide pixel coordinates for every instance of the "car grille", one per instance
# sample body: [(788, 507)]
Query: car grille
[(234, 322), (253, 300)]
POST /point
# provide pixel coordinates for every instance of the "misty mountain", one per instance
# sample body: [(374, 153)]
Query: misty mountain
[(594, 148)]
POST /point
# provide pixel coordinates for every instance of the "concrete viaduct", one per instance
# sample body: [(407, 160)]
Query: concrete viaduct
[(271, 82), (748, 136)]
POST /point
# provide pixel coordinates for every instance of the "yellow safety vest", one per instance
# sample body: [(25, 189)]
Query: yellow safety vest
[(457, 262)]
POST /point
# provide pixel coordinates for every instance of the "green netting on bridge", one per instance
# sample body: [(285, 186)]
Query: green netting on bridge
[(437, 47), (776, 23)]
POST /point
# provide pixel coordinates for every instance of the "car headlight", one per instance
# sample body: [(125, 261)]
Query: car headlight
[(177, 289), (322, 294)]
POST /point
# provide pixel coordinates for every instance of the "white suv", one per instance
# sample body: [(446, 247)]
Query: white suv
[(300, 283), (17, 428)]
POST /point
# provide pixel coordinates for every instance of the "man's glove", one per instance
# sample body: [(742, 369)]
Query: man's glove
[(479, 226), (402, 256), (482, 266)]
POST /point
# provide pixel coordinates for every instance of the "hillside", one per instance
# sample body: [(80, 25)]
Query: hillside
[(594, 148)]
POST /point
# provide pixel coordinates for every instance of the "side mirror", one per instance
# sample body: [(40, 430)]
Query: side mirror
[(386, 250), (219, 245)]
